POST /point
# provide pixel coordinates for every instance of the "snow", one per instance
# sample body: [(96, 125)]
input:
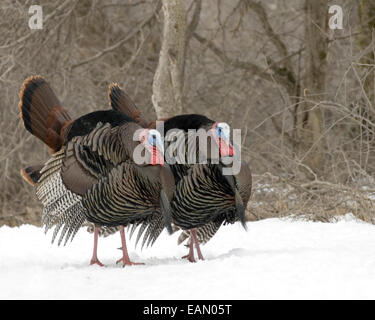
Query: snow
[(274, 259)]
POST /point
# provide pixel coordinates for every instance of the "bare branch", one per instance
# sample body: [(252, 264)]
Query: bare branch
[(130, 36), (194, 21), (259, 10), (251, 67)]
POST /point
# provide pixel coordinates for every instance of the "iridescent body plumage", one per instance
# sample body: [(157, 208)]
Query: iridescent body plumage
[(91, 175)]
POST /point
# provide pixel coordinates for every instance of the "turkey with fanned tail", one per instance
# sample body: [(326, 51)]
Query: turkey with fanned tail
[(92, 174)]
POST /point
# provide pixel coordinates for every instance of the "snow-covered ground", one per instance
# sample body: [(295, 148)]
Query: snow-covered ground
[(274, 259)]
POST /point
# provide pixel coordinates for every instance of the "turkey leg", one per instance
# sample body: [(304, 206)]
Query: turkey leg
[(94, 259), (193, 241), (125, 256)]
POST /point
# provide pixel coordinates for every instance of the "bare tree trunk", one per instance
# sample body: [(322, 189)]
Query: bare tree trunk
[(310, 118), (168, 80), (366, 15)]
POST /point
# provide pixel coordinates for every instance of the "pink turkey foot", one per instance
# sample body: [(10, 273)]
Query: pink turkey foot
[(94, 259), (126, 262), (125, 256), (189, 257)]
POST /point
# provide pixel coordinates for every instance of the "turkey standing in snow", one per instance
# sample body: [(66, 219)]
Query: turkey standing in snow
[(204, 197), (91, 174)]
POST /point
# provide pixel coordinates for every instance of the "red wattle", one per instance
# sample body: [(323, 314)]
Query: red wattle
[(156, 157), (225, 149)]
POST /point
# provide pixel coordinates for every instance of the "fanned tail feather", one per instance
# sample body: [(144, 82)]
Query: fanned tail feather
[(31, 174), (120, 101), (61, 206), (41, 112)]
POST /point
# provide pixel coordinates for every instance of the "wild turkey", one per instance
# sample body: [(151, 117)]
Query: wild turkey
[(204, 197), (91, 174)]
